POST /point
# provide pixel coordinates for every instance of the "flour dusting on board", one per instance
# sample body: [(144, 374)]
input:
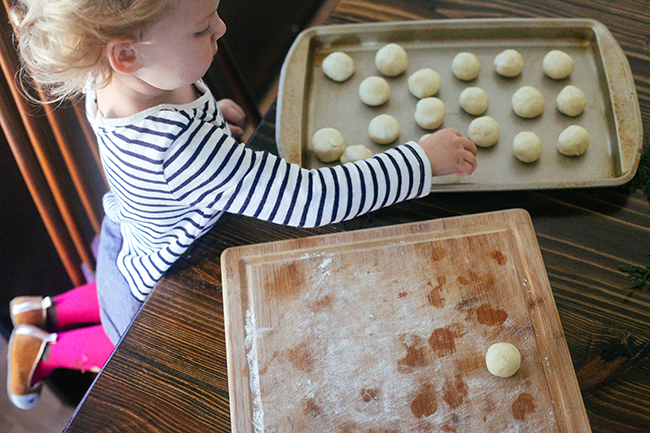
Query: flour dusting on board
[(251, 357), (393, 339)]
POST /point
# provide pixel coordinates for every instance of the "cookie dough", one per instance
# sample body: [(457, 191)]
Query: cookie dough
[(424, 82), (558, 64), (391, 60), (474, 100), (483, 131), (465, 66), (374, 91), (338, 66), (573, 141), (328, 144), (509, 63), (355, 153), (429, 113), (384, 129), (527, 147), (571, 101), (503, 359), (528, 102)]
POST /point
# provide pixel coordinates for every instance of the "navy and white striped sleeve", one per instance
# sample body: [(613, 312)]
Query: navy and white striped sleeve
[(209, 169)]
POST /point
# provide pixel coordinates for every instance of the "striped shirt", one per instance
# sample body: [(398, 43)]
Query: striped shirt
[(174, 169)]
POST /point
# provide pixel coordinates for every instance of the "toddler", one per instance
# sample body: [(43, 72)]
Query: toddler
[(173, 163)]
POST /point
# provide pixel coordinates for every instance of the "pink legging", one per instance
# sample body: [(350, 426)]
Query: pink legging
[(81, 342)]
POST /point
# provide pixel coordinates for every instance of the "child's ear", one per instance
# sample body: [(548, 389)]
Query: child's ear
[(123, 56)]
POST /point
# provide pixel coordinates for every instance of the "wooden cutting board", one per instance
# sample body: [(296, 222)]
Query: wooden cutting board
[(386, 330)]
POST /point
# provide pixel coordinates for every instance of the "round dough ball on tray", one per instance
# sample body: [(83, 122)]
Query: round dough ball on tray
[(355, 153), (328, 144), (528, 102), (573, 141), (527, 147), (571, 101), (502, 359), (374, 91), (558, 64), (391, 60), (430, 113), (424, 82), (509, 63), (484, 131), (465, 66), (338, 66), (384, 129), (474, 100)]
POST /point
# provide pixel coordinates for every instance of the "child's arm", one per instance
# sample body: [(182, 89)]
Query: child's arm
[(234, 115), (449, 152)]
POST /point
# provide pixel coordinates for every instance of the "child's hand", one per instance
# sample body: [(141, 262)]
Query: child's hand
[(234, 115), (449, 152)]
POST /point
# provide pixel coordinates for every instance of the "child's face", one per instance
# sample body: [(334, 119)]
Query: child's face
[(178, 50)]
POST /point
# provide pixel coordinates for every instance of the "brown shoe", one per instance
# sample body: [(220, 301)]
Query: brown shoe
[(30, 310), (26, 347)]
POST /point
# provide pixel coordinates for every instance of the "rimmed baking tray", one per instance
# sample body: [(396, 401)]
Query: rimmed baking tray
[(309, 101)]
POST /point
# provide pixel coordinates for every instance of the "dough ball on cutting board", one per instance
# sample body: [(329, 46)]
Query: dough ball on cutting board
[(338, 66), (558, 64), (429, 113), (465, 66), (355, 153), (391, 60), (374, 91), (424, 82), (571, 101), (509, 63), (503, 359), (384, 129), (573, 141), (527, 147), (483, 131), (328, 144), (528, 102), (474, 100)]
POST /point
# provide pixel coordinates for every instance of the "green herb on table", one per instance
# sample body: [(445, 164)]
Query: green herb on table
[(640, 275)]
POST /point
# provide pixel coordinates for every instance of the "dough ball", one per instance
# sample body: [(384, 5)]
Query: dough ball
[(573, 141), (424, 82), (391, 60), (338, 66), (483, 131), (355, 153), (509, 63), (474, 100), (425, 136), (429, 113), (503, 359), (384, 129), (465, 66), (558, 64), (374, 91), (527, 147), (528, 102), (328, 144), (571, 101)]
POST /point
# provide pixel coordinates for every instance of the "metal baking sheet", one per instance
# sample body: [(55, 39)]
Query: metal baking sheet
[(309, 101)]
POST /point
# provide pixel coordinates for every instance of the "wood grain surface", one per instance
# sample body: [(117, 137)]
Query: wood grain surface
[(169, 373)]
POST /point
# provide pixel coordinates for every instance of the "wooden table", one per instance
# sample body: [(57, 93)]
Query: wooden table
[(169, 372)]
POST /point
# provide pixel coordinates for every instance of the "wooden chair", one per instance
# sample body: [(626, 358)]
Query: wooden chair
[(56, 152)]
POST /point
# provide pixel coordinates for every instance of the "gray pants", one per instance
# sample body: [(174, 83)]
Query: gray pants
[(117, 305)]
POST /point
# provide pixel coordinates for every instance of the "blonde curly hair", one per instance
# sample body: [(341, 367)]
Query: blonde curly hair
[(62, 42)]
